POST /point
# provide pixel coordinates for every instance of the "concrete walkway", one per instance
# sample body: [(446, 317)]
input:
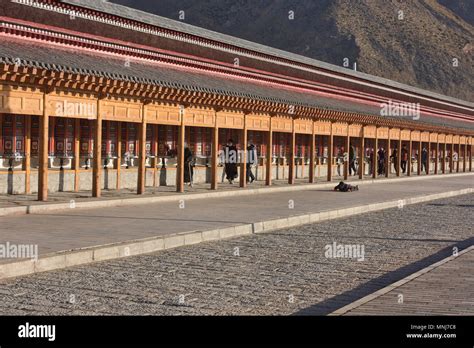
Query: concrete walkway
[(80, 228), (28, 203), (445, 290), (23, 200)]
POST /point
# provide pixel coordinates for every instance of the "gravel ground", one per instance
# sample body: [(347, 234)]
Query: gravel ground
[(280, 273)]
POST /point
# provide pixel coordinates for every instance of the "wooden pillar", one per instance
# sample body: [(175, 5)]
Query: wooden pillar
[(464, 157), (387, 157), (291, 167), (451, 159), (142, 153), (268, 174), (215, 155), (27, 154), (459, 155), (362, 156), (347, 162), (375, 156), (437, 155), (97, 165), (428, 157), (410, 145), (1, 127), (443, 163), (330, 151), (243, 157), (420, 144), (399, 154), (180, 166), (155, 153), (470, 155), (118, 162), (303, 153), (43, 152), (77, 153), (312, 154)]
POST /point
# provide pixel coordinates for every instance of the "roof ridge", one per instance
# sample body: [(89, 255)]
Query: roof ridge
[(185, 28)]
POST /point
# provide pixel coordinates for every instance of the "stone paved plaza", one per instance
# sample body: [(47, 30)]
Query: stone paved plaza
[(279, 273)]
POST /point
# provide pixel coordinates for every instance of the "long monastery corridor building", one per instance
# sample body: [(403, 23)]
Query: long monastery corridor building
[(96, 96)]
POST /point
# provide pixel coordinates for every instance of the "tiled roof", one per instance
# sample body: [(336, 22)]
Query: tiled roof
[(166, 23), (87, 63)]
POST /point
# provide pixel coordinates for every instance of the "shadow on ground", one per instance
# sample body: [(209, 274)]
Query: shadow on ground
[(330, 305)]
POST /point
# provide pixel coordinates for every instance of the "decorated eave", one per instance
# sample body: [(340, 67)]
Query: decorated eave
[(35, 74), (231, 88)]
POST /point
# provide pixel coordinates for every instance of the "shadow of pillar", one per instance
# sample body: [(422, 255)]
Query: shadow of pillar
[(163, 176), (10, 182), (106, 178), (61, 181)]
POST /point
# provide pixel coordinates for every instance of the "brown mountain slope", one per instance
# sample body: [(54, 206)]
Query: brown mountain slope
[(417, 50)]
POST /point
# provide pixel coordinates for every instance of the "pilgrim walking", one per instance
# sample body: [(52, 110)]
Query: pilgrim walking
[(188, 166), (230, 165)]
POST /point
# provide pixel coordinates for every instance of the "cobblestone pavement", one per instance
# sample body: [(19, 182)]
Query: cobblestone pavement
[(448, 289), (283, 272)]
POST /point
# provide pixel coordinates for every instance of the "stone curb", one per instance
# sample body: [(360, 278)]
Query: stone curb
[(383, 291), (112, 251), (48, 207)]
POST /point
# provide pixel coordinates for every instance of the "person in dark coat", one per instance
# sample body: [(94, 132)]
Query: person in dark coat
[(381, 161), (352, 159), (231, 158), (188, 165), (424, 160), (343, 187), (251, 160), (404, 158)]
